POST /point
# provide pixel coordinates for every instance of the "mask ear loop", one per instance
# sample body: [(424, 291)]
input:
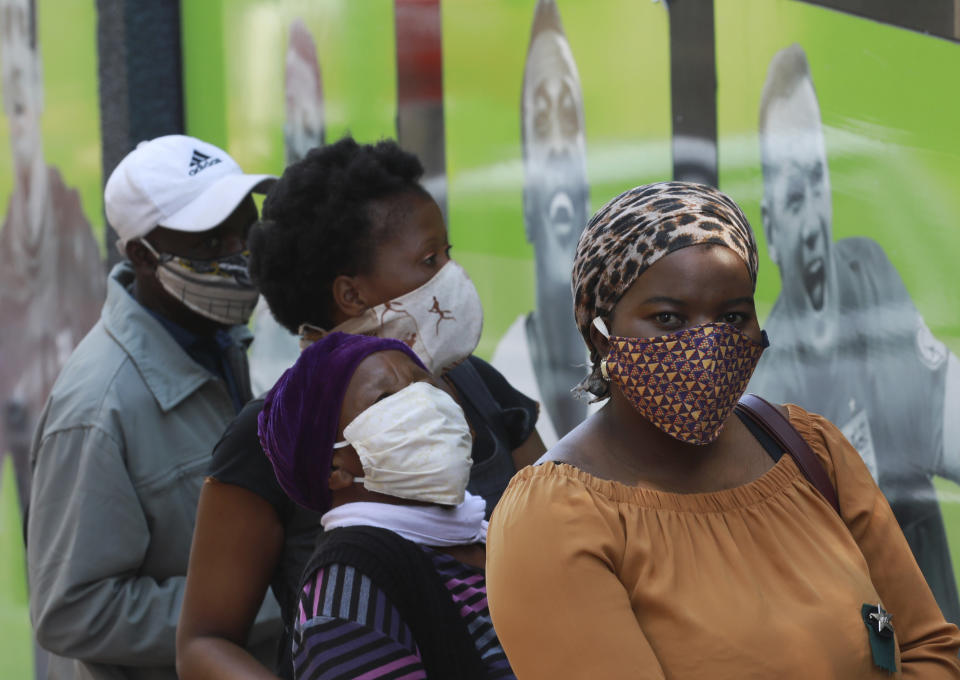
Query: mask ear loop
[(601, 327), (161, 259)]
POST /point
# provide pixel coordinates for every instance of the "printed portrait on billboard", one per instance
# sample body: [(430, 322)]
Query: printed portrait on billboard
[(52, 280), (542, 353), (274, 349), (846, 339), (304, 126)]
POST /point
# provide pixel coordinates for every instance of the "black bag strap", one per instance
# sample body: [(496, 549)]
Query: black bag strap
[(769, 418), (471, 387)]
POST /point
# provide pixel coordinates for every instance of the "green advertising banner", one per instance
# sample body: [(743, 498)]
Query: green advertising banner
[(889, 126), (836, 133), (51, 250), (549, 110), (837, 137)]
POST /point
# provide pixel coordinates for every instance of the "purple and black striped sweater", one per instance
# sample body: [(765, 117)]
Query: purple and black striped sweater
[(349, 630)]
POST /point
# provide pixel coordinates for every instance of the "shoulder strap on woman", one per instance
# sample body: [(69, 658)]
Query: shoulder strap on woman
[(769, 418), (470, 385), (409, 579)]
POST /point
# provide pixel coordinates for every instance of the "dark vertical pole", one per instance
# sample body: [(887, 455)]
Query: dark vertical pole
[(420, 126), (141, 80), (693, 90)]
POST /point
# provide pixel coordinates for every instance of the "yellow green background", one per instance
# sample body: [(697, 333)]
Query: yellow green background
[(889, 99)]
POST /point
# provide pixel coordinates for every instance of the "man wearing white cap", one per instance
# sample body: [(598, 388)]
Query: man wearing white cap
[(122, 445)]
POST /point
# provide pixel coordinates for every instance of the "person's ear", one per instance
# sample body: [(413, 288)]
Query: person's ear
[(340, 476), (141, 257), (340, 479), (766, 219), (347, 296)]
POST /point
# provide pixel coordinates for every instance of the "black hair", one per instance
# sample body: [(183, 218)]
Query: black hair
[(316, 226)]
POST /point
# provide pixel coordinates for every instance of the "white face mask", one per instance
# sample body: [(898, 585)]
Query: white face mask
[(414, 444), (440, 321), (218, 289)]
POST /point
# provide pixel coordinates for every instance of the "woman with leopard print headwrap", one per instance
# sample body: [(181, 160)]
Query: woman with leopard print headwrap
[(667, 536)]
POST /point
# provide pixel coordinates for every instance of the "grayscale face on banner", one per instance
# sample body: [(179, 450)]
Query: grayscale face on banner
[(275, 349), (21, 79), (796, 206), (304, 125), (555, 182), (51, 276), (847, 340), (555, 208)]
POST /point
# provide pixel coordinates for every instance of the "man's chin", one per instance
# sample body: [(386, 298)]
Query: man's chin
[(564, 228), (25, 144)]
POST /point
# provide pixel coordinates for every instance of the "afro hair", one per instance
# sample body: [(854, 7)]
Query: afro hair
[(316, 225)]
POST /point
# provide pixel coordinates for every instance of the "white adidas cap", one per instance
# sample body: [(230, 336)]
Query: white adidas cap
[(177, 182)]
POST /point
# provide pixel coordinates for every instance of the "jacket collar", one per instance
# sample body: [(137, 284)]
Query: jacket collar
[(168, 371)]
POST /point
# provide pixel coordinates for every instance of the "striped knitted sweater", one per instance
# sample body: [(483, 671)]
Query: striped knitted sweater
[(349, 630)]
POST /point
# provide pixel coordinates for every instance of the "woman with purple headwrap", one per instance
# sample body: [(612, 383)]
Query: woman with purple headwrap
[(349, 241), (359, 431), (668, 536)]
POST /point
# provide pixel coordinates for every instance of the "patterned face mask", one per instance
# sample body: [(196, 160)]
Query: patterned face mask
[(218, 289), (685, 383)]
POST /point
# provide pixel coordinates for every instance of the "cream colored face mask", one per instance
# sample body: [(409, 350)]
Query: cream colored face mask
[(414, 444), (440, 321)]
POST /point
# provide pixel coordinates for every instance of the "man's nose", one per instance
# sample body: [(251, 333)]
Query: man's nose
[(810, 225), (555, 140), (810, 233)]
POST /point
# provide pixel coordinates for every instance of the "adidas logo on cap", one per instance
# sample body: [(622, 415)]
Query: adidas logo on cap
[(201, 161)]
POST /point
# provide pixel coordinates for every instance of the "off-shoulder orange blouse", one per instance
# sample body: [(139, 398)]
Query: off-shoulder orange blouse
[(592, 579)]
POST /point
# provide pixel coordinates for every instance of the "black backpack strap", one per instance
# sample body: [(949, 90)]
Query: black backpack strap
[(493, 466), (471, 387), (409, 579), (770, 445), (769, 418)]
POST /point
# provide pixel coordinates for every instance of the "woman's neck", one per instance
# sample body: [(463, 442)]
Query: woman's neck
[(619, 444)]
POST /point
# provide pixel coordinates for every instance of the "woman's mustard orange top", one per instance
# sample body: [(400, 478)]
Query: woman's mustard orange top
[(589, 578)]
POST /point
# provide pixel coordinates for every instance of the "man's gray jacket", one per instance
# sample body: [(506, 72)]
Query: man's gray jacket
[(118, 461)]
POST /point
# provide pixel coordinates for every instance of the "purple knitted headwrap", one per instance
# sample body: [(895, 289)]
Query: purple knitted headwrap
[(301, 414)]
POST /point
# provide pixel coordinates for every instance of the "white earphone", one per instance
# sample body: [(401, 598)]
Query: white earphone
[(599, 324)]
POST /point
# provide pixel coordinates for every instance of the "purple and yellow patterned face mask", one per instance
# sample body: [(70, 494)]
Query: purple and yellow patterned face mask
[(635, 230), (686, 383)]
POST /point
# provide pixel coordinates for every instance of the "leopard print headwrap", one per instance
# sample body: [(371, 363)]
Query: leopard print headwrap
[(634, 230)]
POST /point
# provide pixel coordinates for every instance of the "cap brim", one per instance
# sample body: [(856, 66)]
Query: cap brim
[(216, 204)]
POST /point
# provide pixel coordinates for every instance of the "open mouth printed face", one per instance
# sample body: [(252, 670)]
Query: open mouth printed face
[(798, 197), (814, 278), (555, 153)]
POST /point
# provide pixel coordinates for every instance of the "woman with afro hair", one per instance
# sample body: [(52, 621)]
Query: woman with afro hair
[(350, 241)]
